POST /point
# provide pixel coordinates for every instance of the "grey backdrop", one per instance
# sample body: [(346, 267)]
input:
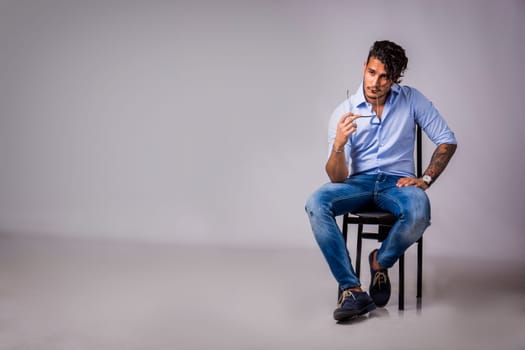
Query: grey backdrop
[(205, 121)]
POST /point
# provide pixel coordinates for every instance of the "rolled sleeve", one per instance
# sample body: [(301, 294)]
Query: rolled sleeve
[(431, 121)]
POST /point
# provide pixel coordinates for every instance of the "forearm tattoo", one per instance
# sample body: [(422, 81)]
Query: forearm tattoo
[(440, 159)]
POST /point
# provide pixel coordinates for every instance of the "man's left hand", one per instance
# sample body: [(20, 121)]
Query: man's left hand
[(411, 181)]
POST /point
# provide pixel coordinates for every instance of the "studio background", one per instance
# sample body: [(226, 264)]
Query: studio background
[(204, 122)]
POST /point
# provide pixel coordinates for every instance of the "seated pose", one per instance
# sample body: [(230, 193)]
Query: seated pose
[(371, 140)]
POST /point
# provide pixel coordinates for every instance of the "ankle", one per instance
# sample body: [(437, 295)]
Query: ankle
[(354, 289), (375, 264)]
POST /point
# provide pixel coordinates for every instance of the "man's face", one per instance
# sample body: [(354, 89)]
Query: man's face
[(375, 81)]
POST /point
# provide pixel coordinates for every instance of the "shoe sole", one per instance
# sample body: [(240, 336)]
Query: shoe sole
[(342, 315), (383, 304)]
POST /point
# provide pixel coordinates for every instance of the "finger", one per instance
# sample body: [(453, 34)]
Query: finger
[(345, 116), (349, 117), (406, 181), (349, 124), (349, 129), (401, 182), (352, 118)]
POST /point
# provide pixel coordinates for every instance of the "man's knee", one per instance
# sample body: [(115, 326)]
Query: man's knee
[(313, 204), (320, 202), (416, 210)]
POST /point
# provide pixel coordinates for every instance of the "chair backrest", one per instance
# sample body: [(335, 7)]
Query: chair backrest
[(419, 152)]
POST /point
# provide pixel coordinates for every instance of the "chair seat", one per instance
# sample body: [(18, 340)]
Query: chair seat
[(372, 218)]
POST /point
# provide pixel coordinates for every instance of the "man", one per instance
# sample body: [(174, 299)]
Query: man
[(371, 164)]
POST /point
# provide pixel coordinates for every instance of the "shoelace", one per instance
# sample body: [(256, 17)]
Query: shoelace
[(379, 277), (344, 295)]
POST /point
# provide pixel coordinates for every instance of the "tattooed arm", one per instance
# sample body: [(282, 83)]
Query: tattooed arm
[(438, 163), (440, 159)]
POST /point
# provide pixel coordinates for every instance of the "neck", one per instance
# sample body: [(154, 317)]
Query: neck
[(380, 101), (378, 104), (376, 101)]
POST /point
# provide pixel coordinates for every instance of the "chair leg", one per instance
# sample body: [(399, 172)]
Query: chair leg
[(420, 268), (401, 282), (345, 238), (359, 246), (345, 228)]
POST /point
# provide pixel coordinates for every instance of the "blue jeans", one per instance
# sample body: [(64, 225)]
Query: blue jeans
[(361, 192)]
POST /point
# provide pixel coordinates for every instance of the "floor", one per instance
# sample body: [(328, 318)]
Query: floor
[(78, 294)]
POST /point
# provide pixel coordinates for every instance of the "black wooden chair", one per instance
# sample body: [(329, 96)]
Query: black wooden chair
[(384, 222)]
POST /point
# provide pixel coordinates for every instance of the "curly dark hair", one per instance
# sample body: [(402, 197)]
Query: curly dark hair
[(392, 56)]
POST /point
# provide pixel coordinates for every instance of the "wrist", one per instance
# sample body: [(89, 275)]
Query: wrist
[(427, 179), (338, 149)]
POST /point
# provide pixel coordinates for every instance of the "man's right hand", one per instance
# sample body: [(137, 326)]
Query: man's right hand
[(345, 128)]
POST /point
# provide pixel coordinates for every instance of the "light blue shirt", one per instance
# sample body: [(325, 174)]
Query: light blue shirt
[(387, 145)]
